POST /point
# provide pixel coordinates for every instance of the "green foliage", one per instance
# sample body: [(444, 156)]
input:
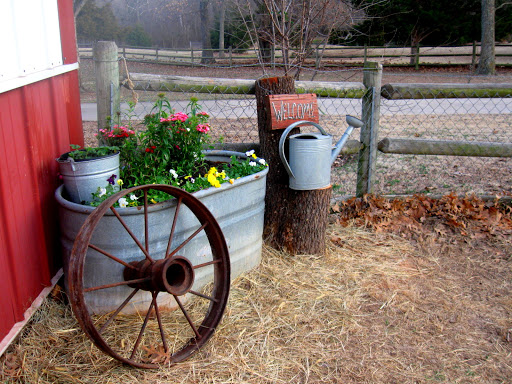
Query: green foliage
[(138, 37), (169, 151), (235, 32), (406, 22), (89, 153), (98, 23)]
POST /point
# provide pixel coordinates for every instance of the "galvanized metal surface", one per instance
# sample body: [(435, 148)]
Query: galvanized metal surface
[(171, 273), (238, 208), (309, 163), (83, 177), (311, 155)]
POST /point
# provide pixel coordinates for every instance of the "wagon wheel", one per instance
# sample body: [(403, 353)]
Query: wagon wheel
[(176, 334)]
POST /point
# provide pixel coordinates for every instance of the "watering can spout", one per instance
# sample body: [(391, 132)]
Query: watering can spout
[(353, 122)]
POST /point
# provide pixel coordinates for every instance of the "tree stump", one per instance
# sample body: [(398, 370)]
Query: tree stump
[(295, 221)]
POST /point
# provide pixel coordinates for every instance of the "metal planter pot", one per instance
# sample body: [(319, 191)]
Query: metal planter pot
[(83, 177), (237, 207)]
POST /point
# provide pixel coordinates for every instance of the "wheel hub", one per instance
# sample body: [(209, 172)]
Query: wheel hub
[(174, 275)]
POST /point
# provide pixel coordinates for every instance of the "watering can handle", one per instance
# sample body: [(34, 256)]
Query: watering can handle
[(283, 139)]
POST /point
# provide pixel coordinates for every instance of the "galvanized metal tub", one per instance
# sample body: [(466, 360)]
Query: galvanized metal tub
[(238, 208), (83, 177)]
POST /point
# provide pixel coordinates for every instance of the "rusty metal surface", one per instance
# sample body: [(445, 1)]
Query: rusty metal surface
[(171, 273)]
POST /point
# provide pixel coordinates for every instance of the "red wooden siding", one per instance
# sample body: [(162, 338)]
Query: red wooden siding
[(37, 123), (67, 31)]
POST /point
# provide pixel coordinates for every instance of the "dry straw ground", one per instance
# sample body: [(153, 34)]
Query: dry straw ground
[(410, 291)]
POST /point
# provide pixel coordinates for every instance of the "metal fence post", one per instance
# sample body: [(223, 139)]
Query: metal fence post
[(107, 81), (372, 78)]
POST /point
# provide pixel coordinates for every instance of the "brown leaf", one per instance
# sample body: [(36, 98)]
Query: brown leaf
[(157, 355)]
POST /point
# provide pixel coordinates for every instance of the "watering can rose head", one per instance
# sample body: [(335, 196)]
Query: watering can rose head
[(169, 150)]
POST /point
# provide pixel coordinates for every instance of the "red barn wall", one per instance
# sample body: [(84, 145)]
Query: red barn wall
[(38, 121)]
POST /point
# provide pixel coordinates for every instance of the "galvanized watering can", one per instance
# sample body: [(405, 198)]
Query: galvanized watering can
[(311, 155)]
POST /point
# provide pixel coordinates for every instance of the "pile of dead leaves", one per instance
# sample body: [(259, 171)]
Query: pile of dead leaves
[(468, 215)]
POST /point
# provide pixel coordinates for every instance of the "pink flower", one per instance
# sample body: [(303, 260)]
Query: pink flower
[(179, 116), (203, 114), (204, 128)]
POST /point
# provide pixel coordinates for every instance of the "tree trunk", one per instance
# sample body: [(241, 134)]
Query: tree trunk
[(222, 20), (295, 221), (265, 49), (207, 53), (487, 64)]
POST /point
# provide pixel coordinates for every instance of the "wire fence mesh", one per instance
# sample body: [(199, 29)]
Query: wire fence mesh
[(468, 118)]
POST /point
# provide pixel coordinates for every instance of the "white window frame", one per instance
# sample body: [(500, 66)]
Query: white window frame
[(30, 44)]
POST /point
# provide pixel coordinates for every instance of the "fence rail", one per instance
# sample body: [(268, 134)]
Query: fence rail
[(330, 55)]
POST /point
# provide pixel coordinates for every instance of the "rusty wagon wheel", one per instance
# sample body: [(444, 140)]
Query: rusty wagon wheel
[(155, 335)]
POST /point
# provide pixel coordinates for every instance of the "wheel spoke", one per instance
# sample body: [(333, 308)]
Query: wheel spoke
[(107, 323), (146, 224), (111, 256), (204, 296), (175, 219), (187, 240), (207, 263), (159, 319), (132, 235), (187, 317), (126, 282), (143, 328)]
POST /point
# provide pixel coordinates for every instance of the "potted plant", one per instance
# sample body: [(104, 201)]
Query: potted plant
[(169, 151), (83, 170)]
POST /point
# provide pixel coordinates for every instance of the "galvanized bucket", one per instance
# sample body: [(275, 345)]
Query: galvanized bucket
[(83, 177)]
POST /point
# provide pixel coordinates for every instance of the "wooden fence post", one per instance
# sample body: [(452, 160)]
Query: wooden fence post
[(107, 81), (372, 78)]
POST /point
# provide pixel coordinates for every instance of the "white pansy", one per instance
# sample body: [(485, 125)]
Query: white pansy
[(252, 163), (249, 153), (103, 191), (133, 197), (123, 203), (261, 161), (173, 173)]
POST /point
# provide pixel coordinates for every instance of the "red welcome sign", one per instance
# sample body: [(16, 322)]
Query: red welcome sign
[(287, 109)]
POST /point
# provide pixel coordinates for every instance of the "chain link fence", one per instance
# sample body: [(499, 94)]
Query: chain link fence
[(447, 118), (450, 141)]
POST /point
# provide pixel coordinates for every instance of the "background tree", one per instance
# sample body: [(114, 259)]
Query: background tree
[(138, 37), (292, 26), (97, 23), (486, 65), (411, 22), (207, 53)]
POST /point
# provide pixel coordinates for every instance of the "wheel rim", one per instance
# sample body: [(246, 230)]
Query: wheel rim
[(170, 273)]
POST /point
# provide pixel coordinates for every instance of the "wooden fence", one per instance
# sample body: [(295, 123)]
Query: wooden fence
[(370, 91), (328, 56)]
